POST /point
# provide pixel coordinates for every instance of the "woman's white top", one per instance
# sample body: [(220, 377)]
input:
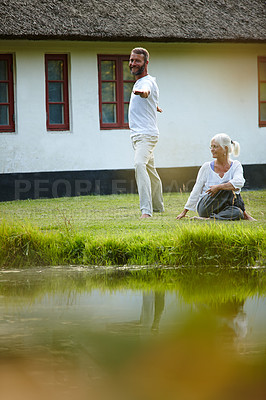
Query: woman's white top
[(207, 177)]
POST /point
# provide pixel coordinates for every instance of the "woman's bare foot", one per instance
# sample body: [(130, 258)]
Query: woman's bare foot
[(248, 217), (199, 218)]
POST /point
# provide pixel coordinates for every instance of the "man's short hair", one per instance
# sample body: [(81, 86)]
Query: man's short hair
[(141, 50)]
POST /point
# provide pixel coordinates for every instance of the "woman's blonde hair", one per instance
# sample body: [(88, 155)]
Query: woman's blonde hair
[(226, 142)]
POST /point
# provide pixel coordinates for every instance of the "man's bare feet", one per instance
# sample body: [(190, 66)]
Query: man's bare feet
[(248, 217), (145, 216)]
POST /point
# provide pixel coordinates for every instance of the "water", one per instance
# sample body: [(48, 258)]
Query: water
[(94, 333)]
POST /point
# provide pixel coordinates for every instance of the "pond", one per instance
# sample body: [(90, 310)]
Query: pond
[(133, 333)]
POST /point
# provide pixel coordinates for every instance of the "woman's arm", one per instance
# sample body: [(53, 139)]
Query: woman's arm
[(182, 214), (196, 191), (198, 187), (238, 179), (216, 188)]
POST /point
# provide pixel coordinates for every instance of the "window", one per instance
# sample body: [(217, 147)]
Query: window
[(7, 117), (262, 90), (57, 104), (115, 86)]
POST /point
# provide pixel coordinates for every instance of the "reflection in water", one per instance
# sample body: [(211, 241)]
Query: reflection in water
[(152, 334), (231, 319), (152, 309), (234, 319)]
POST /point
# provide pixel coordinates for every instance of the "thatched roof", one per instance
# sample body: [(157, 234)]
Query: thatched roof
[(131, 20)]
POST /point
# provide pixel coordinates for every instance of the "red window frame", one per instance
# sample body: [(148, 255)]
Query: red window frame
[(260, 81), (10, 103), (65, 101), (119, 82)]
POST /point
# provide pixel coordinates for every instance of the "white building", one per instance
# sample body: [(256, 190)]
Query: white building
[(64, 91)]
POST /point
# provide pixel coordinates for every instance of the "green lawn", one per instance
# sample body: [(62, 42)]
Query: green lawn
[(108, 230), (118, 214)]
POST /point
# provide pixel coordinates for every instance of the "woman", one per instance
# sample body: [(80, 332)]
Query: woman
[(216, 193)]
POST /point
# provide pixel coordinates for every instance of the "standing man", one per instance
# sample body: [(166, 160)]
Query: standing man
[(143, 109)]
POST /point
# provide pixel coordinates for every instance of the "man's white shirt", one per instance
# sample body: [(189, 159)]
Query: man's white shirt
[(142, 113)]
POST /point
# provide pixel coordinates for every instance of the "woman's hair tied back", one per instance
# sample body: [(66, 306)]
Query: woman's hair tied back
[(226, 142)]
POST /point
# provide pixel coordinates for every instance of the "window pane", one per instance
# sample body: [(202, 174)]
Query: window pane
[(3, 93), (56, 113), (108, 92), (262, 69), (127, 90), (126, 72), (109, 113), (263, 112), (263, 91), (55, 70), (4, 117), (55, 91), (3, 70), (108, 70), (126, 113)]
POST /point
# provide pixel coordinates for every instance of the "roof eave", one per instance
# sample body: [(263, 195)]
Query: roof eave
[(107, 38)]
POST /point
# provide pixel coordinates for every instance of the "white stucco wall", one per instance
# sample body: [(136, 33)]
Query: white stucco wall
[(204, 89)]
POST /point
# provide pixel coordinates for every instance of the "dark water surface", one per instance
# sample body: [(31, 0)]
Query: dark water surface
[(116, 333)]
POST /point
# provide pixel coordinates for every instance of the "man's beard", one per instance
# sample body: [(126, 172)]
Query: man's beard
[(139, 71)]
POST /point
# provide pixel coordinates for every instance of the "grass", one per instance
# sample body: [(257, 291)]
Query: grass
[(106, 230)]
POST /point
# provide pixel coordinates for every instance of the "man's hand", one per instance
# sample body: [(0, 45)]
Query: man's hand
[(143, 94)]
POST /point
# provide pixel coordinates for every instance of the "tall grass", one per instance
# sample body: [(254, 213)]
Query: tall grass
[(190, 244), (106, 230)]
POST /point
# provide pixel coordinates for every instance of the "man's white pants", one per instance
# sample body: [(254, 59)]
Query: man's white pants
[(148, 181)]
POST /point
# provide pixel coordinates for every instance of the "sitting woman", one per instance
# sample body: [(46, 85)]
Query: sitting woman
[(216, 193)]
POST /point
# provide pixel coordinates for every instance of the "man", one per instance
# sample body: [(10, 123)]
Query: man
[(143, 108)]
